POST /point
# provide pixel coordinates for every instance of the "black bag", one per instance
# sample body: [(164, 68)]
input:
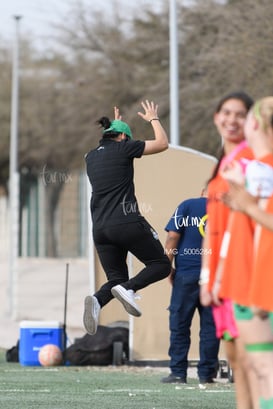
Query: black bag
[(109, 346), (12, 354)]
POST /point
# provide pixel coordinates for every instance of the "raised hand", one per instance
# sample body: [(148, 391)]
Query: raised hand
[(150, 109), (117, 114)]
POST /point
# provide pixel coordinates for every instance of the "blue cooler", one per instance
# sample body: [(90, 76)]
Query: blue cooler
[(34, 335)]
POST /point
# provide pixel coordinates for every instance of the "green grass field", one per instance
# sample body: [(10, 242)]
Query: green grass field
[(122, 387)]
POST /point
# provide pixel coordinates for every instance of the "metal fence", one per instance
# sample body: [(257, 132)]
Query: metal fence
[(54, 212)]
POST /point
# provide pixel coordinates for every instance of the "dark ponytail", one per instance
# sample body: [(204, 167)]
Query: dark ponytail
[(216, 169), (105, 123)]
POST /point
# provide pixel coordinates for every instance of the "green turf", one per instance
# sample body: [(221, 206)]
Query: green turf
[(103, 388)]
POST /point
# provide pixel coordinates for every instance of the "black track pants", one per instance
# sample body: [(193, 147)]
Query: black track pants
[(113, 244)]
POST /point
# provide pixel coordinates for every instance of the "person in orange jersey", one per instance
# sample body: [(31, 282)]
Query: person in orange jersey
[(254, 324), (260, 294), (229, 120)]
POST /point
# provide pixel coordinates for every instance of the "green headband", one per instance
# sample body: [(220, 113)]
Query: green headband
[(121, 127)]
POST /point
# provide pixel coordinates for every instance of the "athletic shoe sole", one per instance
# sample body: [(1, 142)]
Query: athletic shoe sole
[(90, 323), (126, 301)]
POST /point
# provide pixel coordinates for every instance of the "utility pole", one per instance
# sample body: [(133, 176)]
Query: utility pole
[(14, 180), (173, 75)]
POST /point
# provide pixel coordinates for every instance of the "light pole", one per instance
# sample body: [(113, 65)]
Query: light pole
[(14, 190), (173, 74)]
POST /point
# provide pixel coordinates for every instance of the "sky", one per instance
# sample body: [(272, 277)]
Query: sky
[(38, 15)]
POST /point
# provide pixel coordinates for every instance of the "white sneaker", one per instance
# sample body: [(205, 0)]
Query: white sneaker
[(127, 298), (91, 314)]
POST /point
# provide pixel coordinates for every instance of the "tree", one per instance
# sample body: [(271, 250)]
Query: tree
[(103, 62), (225, 47)]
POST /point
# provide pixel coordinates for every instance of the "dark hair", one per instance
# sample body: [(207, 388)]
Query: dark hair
[(105, 123), (215, 170), (240, 95), (248, 102)]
